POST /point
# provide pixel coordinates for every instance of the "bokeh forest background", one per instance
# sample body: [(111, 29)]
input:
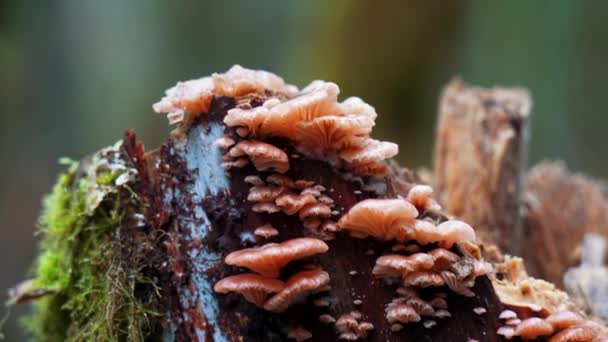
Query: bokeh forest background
[(74, 74)]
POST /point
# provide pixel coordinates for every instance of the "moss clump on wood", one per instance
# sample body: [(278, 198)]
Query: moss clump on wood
[(88, 256)]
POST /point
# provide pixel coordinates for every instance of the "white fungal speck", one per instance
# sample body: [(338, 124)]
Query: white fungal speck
[(357, 302), (429, 324), (353, 273), (480, 310), (358, 192)]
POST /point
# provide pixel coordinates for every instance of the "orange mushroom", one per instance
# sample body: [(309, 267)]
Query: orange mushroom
[(298, 286), (316, 210), (401, 313), (263, 156), (270, 258), (299, 334), (446, 234), (532, 328), (564, 319), (194, 97), (420, 197), (384, 219), (264, 193), (254, 288), (397, 266), (291, 204), (266, 231)]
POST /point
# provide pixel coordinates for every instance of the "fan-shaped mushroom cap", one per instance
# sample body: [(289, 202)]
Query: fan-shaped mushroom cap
[(420, 197), (507, 314), (443, 258), (264, 156), (265, 207), (284, 181), (446, 234), (317, 210), (455, 284), (264, 193), (564, 319), (255, 288), (349, 328), (254, 180), (532, 328), (423, 279), (507, 332), (370, 151), (299, 285), (299, 334), (194, 97), (270, 258), (575, 334), (402, 313), (385, 219), (291, 204), (397, 266), (224, 142), (266, 231)]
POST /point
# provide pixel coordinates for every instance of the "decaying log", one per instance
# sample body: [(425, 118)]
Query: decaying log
[(350, 249), (561, 208), (480, 157)]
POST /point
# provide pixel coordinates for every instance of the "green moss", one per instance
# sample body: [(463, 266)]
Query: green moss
[(82, 257)]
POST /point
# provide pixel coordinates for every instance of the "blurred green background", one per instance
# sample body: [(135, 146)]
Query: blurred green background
[(74, 74)]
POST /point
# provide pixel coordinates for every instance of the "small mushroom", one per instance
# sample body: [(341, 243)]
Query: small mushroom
[(224, 142), (446, 234), (299, 285), (266, 231), (443, 258), (255, 288), (401, 313), (564, 319), (423, 279), (299, 334), (290, 204), (507, 314), (270, 258), (317, 210), (397, 266), (254, 180), (265, 207), (420, 197), (575, 334), (263, 156), (264, 193), (532, 328), (385, 219)]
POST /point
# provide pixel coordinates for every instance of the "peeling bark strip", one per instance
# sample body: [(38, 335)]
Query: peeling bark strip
[(560, 208), (480, 156)]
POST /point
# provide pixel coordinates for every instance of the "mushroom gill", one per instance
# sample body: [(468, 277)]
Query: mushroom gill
[(299, 334), (270, 258), (384, 219), (253, 287), (263, 156), (298, 286), (350, 328)]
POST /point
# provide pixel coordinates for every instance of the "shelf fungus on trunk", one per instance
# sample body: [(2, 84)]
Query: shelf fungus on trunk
[(270, 214)]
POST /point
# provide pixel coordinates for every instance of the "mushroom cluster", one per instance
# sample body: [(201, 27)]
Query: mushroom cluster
[(351, 328), (188, 99), (396, 219), (564, 326), (267, 261), (271, 125), (279, 193)]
